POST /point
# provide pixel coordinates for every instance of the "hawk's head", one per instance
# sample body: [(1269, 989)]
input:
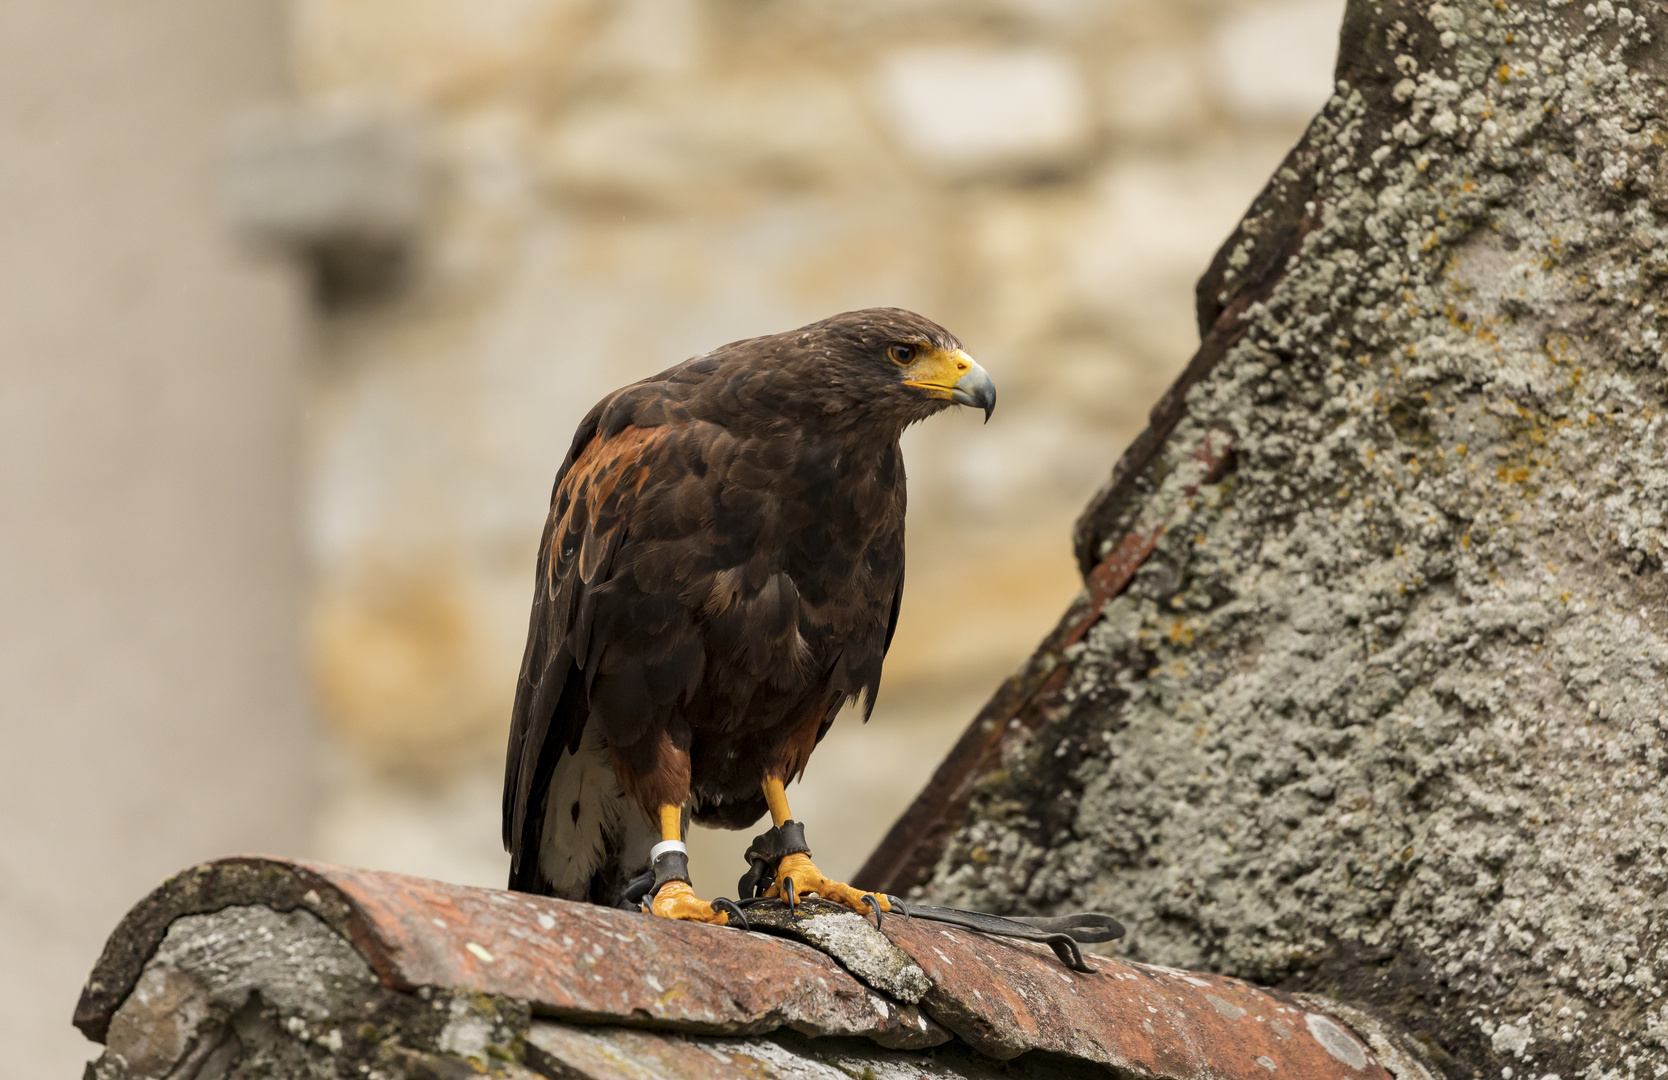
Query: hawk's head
[(900, 365), (876, 370)]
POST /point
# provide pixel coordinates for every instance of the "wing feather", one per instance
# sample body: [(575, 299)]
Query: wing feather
[(588, 524)]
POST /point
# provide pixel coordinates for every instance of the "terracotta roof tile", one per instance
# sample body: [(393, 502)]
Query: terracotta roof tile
[(703, 998)]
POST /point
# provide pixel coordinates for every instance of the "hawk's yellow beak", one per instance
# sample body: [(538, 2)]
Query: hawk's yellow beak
[(953, 376)]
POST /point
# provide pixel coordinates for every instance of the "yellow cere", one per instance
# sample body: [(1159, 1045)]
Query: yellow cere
[(938, 371)]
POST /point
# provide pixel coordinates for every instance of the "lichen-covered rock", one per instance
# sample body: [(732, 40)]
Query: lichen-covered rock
[(1384, 713), (852, 940)]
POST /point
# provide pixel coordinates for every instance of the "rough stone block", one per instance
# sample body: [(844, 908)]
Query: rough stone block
[(967, 112), (308, 177), (703, 149), (1275, 61), (1154, 95)]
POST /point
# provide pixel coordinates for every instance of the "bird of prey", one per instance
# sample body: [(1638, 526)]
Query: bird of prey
[(721, 571)]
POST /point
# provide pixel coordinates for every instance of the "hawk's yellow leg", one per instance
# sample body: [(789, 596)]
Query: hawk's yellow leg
[(803, 872), (676, 899)]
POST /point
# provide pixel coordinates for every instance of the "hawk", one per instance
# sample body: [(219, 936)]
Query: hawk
[(720, 572)]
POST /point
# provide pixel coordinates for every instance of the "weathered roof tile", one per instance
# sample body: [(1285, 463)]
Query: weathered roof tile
[(575, 961), (624, 996), (1008, 997)]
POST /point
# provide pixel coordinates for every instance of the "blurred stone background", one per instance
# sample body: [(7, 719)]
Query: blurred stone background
[(612, 187), (315, 292)]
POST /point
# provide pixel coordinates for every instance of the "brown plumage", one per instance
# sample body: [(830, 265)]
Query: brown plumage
[(720, 572)]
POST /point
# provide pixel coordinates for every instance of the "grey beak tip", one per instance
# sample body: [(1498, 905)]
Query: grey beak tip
[(976, 389)]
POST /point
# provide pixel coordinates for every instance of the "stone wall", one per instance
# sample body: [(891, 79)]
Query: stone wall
[(616, 186)]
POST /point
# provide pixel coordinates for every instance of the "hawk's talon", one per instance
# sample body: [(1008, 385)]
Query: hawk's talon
[(899, 904), (676, 900), (797, 876), (788, 890), (875, 904), (730, 908)]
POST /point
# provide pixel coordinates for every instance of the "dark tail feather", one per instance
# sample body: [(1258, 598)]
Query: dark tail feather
[(556, 721)]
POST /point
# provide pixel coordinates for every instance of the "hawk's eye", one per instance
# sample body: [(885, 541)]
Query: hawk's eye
[(901, 354)]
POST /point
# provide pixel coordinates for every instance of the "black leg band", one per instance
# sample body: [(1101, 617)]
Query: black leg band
[(670, 866), (790, 839), (767, 850)]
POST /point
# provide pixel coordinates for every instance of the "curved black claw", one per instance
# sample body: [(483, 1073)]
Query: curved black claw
[(788, 891), (898, 905), (874, 906), (733, 910)]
